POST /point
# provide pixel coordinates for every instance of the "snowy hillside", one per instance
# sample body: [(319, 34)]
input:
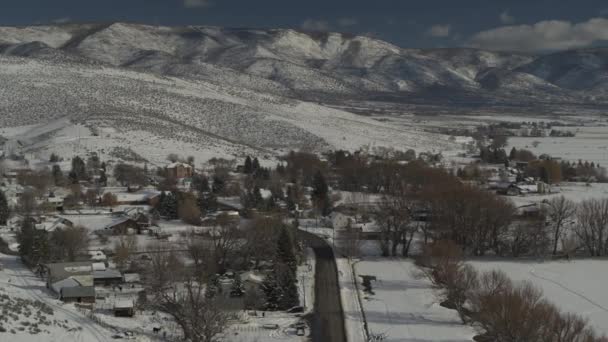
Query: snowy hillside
[(209, 91), (76, 107)]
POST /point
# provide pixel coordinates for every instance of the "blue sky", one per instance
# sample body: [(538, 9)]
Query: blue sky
[(498, 24)]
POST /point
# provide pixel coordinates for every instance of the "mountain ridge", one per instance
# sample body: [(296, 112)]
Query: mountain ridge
[(303, 64)]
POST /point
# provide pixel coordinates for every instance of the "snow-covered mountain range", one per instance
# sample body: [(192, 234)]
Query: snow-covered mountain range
[(264, 89)]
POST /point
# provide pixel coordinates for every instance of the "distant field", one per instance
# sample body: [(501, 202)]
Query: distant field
[(590, 143)]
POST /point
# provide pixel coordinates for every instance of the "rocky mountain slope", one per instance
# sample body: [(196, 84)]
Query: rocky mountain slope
[(244, 87), (312, 64)]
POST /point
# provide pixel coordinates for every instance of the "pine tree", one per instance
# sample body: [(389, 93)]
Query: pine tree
[(272, 292), (79, 170), (237, 289), (320, 193), (33, 243), (4, 210), (289, 289), (285, 250), (168, 206), (248, 168), (255, 165)]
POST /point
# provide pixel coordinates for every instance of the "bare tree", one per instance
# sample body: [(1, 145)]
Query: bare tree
[(592, 227), (560, 211), (442, 263), (123, 249), (69, 242), (109, 200), (225, 239), (394, 218), (165, 266), (351, 240), (261, 236), (188, 210), (181, 293), (200, 317)]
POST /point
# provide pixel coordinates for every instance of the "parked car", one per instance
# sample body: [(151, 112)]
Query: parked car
[(270, 326), (296, 309)]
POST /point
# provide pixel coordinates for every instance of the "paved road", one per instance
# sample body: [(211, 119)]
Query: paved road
[(328, 319)]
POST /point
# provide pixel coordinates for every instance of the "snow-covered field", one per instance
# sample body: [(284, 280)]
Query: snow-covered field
[(404, 308), (577, 286), (590, 144), (576, 192)]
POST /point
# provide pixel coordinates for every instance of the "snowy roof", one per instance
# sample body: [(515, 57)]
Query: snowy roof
[(68, 282), (107, 274), (175, 165), (78, 291), (60, 271), (124, 304), (99, 266), (132, 277)]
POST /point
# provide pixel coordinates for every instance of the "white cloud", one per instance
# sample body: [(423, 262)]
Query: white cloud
[(506, 18), (345, 22), (548, 35), (439, 30), (315, 25), (196, 3)]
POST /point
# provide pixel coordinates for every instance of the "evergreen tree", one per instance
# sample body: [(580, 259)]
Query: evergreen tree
[(320, 194), (103, 179), (57, 175), (257, 200), (255, 165), (513, 153), (79, 170), (168, 206), (33, 243), (237, 289), (4, 210), (248, 168), (218, 184), (272, 292), (286, 250), (288, 295)]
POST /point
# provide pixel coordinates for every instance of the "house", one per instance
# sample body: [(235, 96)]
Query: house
[(124, 308), (72, 281), (179, 170), (51, 224), (507, 188), (143, 221), (123, 226), (107, 277), (131, 278), (78, 294)]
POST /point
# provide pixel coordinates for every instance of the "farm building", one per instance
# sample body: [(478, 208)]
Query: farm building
[(179, 170), (124, 308)]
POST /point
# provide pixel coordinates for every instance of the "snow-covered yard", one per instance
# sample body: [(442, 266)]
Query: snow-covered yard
[(577, 286), (404, 308)]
